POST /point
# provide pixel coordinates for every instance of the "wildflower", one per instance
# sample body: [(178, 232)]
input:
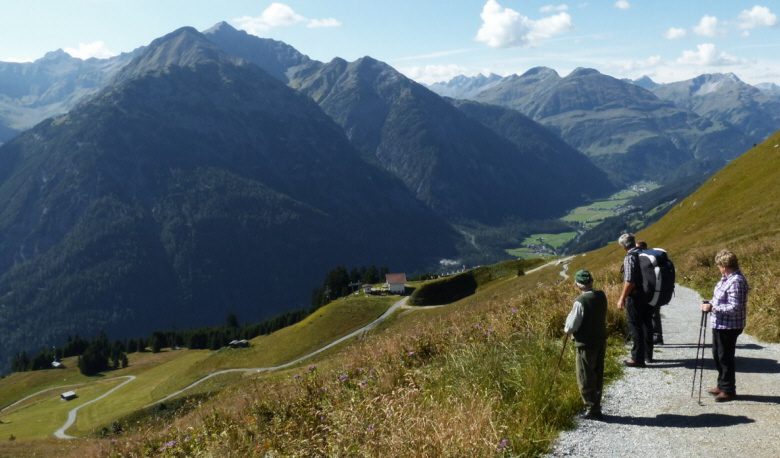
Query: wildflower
[(343, 377), (502, 445), (371, 428), (312, 368), (410, 353), (167, 445), (513, 310), (297, 376)]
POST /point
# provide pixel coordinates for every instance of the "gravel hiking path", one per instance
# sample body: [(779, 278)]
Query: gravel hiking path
[(650, 412)]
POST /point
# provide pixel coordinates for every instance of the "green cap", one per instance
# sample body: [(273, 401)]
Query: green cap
[(583, 277)]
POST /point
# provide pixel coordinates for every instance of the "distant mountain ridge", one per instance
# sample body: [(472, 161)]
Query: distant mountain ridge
[(623, 127), (50, 86), (726, 98)]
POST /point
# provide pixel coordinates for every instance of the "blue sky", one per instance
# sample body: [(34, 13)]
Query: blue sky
[(434, 40)]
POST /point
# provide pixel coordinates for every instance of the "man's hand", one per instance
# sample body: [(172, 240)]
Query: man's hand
[(621, 303), (706, 307)]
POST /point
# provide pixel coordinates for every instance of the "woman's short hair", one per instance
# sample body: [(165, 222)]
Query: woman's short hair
[(627, 241), (726, 258)]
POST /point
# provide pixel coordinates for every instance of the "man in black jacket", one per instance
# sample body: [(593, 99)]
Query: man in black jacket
[(640, 314)]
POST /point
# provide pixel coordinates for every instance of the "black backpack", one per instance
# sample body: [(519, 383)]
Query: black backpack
[(657, 276)]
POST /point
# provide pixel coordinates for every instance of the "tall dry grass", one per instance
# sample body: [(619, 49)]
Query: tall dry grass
[(480, 381)]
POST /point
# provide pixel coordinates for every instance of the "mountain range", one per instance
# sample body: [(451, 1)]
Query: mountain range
[(217, 172), (727, 99), (193, 185), (623, 127)]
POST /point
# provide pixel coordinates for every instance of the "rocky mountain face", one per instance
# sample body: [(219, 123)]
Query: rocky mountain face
[(194, 185), (50, 86), (726, 99), (625, 129), (279, 59)]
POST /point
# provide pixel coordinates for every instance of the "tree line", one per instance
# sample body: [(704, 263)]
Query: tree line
[(100, 354)]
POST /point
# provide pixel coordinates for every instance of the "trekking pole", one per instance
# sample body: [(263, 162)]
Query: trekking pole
[(560, 358), (704, 345), (698, 348)]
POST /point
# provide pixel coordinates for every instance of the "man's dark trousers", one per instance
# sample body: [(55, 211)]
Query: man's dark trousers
[(590, 374), (640, 323), (724, 346)]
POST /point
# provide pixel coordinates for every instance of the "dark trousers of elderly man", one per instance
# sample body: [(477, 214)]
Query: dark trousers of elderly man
[(640, 323), (590, 375)]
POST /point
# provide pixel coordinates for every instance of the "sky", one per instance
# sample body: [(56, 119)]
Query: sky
[(434, 40)]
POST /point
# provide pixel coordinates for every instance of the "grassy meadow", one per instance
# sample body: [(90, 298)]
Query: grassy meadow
[(476, 378), (159, 374), (595, 212)]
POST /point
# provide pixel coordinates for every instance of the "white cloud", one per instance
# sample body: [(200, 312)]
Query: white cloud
[(622, 4), (552, 8), (505, 27), (328, 22), (430, 74), (16, 60), (707, 55), (279, 15), (708, 27), (759, 16), (86, 50), (675, 33), (634, 65)]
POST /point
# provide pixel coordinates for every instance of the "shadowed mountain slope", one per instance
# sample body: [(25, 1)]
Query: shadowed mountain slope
[(543, 150), (194, 186)]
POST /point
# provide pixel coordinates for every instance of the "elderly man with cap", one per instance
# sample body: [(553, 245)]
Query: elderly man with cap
[(587, 323)]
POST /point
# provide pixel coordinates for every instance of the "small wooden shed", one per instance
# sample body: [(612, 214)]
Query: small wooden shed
[(68, 395)]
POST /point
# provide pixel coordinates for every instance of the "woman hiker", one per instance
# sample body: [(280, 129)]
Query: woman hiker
[(728, 313)]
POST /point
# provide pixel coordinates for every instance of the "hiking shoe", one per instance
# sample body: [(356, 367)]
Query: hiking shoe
[(632, 363), (714, 391), (592, 415), (658, 340), (725, 397)]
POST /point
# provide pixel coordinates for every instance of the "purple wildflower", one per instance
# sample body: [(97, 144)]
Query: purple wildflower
[(167, 445), (513, 310), (343, 377), (502, 445)]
